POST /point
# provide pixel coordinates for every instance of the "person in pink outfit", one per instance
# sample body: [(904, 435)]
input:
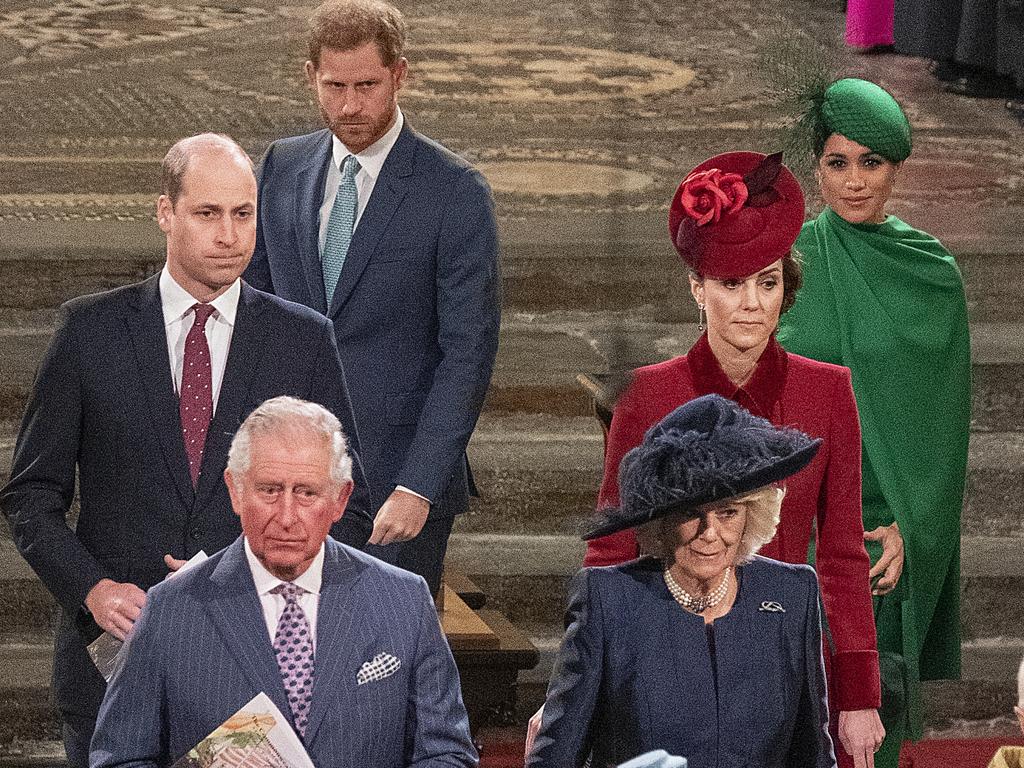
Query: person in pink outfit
[(869, 24)]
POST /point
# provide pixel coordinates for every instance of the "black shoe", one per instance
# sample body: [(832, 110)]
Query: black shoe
[(945, 71), (1016, 109), (982, 86)]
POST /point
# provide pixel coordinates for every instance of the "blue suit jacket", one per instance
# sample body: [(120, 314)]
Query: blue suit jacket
[(417, 307), (201, 650), (635, 673), (104, 403)]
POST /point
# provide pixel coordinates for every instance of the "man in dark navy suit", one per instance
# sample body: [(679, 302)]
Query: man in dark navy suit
[(393, 237), (141, 391)]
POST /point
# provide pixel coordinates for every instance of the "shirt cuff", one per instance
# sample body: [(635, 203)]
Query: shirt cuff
[(410, 491)]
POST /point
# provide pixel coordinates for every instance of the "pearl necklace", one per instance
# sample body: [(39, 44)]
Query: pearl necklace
[(697, 604)]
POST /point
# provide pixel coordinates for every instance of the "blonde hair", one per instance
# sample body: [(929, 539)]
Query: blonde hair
[(762, 507)]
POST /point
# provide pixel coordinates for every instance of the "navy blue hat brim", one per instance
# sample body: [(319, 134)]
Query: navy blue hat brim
[(617, 519)]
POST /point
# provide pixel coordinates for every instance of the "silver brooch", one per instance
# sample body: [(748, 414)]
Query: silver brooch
[(770, 606)]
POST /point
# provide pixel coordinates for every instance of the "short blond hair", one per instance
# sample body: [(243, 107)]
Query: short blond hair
[(762, 507)]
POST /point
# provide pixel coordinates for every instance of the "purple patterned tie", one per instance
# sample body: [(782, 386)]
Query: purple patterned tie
[(195, 400), (294, 648)]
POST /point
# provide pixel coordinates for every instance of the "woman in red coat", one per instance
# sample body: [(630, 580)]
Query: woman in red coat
[(734, 220)]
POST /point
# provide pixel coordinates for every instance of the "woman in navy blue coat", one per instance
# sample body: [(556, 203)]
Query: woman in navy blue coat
[(706, 651)]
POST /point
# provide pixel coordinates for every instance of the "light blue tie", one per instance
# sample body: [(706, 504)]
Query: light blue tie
[(340, 225)]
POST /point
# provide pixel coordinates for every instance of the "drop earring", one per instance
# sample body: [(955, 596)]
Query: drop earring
[(700, 317)]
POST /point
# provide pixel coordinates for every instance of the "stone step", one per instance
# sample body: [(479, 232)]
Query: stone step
[(607, 275), (540, 474), (539, 358), (526, 576)]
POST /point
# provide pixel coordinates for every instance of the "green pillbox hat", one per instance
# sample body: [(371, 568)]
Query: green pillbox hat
[(868, 114)]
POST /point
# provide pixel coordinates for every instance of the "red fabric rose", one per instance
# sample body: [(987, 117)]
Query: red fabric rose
[(709, 195)]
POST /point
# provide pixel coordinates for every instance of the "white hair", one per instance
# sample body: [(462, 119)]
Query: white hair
[(290, 415), (762, 506)]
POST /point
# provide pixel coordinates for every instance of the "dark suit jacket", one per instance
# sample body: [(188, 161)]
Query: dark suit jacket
[(104, 402), (201, 650), (417, 306), (635, 673)]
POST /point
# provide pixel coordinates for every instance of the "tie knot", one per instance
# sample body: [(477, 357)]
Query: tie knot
[(290, 590), (349, 168), (203, 312)]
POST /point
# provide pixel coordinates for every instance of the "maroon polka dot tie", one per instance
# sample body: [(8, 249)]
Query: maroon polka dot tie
[(195, 401), (293, 646)]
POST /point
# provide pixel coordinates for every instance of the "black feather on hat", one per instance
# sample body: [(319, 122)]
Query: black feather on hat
[(707, 450)]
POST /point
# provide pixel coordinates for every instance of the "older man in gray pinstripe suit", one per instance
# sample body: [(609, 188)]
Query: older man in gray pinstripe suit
[(347, 647)]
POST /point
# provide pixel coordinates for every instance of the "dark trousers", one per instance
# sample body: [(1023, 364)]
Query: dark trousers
[(423, 555), (76, 743)]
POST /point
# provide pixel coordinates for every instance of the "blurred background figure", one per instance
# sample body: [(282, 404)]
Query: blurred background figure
[(869, 25), (976, 46)]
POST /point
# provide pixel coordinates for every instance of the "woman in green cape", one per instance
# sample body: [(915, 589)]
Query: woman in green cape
[(887, 301)]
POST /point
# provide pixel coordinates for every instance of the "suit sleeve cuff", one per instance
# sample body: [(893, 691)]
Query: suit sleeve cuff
[(413, 493), (855, 681)]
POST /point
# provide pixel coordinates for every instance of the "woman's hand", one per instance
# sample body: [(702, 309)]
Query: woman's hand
[(861, 733), (887, 570), (532, 729)]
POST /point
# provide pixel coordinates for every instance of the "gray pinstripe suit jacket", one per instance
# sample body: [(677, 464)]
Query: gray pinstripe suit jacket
[(201, 650)]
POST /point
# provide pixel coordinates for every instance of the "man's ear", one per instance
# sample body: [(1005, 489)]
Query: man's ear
[(310, 69), (399, 71), (236, 500), (1020, 717), (164, 211), (343, 496)]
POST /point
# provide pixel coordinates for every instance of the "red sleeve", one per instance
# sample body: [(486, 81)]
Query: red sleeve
[(842, 561), (626, 432)]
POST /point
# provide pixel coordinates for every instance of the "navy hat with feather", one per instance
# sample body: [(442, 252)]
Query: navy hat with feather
[(707, 450)]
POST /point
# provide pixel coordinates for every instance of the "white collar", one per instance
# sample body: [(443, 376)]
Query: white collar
[(177, 302), (372, 158), (309, 580)]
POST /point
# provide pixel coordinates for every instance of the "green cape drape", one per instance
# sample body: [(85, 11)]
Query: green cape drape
[(887, 301)]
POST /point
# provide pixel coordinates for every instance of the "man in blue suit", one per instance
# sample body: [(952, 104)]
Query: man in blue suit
[(149, 462), (348, 648), (393, 237)]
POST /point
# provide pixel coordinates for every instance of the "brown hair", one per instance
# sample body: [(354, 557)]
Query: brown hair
[(792, 279), (348, 24), (178, 157)]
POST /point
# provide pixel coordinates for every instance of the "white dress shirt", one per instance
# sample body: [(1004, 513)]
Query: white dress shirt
[(177, 306), (371, 160), (273, 605)]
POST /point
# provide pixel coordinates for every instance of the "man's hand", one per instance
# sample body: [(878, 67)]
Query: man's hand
[(887, 570), (115, 606), (400, 518), (532, 729), (861, 733)]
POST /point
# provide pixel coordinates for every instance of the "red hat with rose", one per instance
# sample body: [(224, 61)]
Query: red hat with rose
[(735, 214)]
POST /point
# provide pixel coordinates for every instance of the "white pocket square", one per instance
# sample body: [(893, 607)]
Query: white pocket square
[(382, 665)]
